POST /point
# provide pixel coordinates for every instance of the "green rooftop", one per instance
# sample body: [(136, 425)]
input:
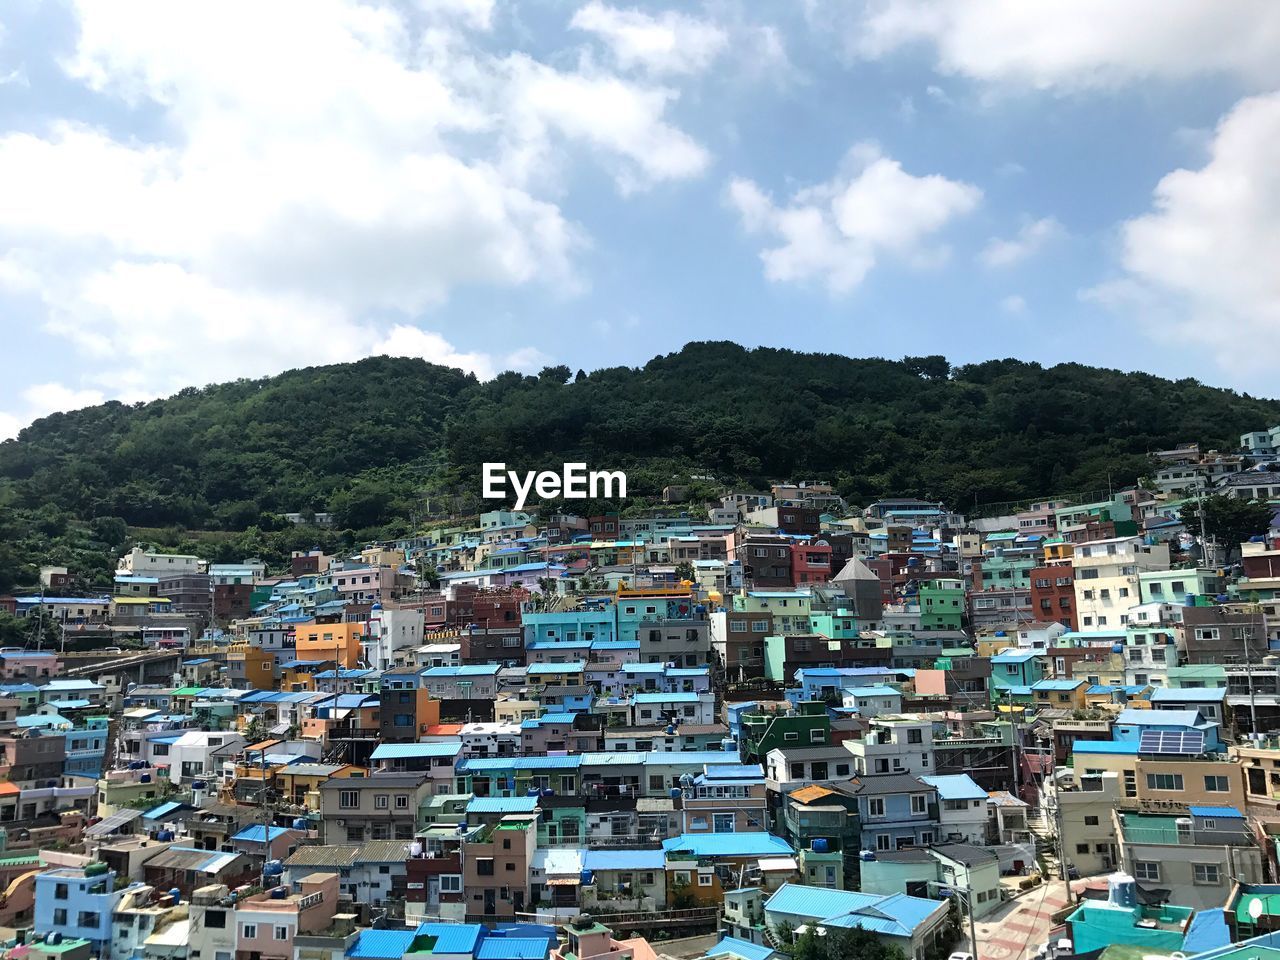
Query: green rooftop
[(1270, 905), (1149, 828)]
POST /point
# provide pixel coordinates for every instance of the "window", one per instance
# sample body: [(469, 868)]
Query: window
[(402, 802), (791, 735), (249, 931), (1164, 781), (60, 917), (215, 919), (817, 736), (915, 736), (882, 765), (1090, 821), (1146, 870), (919, 804), (1216, 785), (484, 866), (1205, 873), (1082, 848), (451, 883), (882, 841), (704, 879), (723, 823), (281, 932), (875, 807), (60, 891), (380, 801), (348, 799)]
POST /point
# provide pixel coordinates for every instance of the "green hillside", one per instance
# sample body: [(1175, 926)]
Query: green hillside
[(381, 439)]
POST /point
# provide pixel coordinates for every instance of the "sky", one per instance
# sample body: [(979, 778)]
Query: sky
[(196, 192)]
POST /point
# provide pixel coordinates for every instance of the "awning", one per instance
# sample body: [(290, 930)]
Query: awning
[(563, 881), (121, 818)]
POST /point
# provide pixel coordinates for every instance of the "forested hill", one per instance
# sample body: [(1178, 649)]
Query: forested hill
[(365, 440)]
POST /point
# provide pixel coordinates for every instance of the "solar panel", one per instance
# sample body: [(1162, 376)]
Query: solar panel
[(1183, 743)]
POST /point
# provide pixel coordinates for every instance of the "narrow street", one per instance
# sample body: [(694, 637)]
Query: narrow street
[(1015, 930)]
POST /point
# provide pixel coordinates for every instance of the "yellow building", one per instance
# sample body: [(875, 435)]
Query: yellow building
[(338, 642), (1058, 551), (1164, 782), (1060, 694)]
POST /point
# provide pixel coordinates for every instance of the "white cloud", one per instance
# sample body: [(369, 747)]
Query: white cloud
[(1014, 304), (1201, 266), (310, 188), (669, 43), (42, 399), (1031, 239), (1079, 44), (835, 232)]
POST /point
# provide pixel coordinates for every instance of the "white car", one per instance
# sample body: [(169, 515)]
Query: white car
[(960, 955)]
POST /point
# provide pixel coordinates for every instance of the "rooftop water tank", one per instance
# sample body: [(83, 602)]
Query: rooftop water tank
[(176, 894), (1122, 890), (587, 878), (301, 824), (866, 856), (729, 745), (675, 793), (820, 845), (279, 893), (273, 868)]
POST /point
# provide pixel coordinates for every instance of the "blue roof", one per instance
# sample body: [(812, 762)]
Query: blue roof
[(1098, 688), (1160, 718), (896, 915), (1222, 813), (402, 751), (873, 690), (502, 805), (1021, 656), (575, 666), (623, 859), (740, 948), (665, 698), (487, 764), (466, 670), (1104, 746), (162, 811), (382, 944), (745, 844), (1207, 931), (956, 786), (259, 833), (452, 937), (511, 948), (1188, 694), (1056, 684)]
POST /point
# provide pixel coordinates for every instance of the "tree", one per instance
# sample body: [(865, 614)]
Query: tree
[(1228, 521), (838, 944), (557, 374), (684, 570)]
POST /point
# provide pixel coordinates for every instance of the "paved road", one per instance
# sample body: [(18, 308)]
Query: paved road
[(1015, 930)]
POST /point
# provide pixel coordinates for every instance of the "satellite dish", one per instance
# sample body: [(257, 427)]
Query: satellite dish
[(1255, 908)]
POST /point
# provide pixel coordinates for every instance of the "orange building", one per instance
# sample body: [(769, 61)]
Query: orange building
[(339, 642), (251, 667)]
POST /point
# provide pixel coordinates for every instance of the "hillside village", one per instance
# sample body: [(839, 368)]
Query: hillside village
[(775, 725)]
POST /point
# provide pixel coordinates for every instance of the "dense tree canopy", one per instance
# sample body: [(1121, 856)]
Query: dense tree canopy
[(384, 440), (1229, 521)]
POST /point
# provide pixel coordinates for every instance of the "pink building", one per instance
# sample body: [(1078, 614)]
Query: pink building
[(18, 665), (266, 923), (588, 940)]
